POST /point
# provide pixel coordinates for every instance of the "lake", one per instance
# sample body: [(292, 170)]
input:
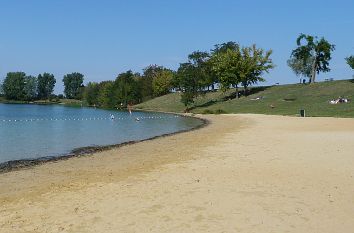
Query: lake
[(36, 131)]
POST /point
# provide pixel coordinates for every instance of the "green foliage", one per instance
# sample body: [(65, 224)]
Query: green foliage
[(30, 88), (91, 93), (45, 86), (203, 68), (126, 89), (350, 61), (14, 86), (301, 68), (19, 87), (155, 81), (316, 51), (105, 96), (146, 80), (72, 85), (229, 65), (162, 82), (234, 65), (189, 82)]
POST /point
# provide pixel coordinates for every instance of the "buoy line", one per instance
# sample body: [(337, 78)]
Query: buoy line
[(84, 119)]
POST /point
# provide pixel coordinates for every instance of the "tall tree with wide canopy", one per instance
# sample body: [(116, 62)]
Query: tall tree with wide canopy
[(73, 84), (30, 88), (14, 86), (235, 65), (188, 82), (126, 89), (146, 80), (45, 86), (226, 65), (253, 64), (203, 69), (91, 93), (317, 51), (162, 82)]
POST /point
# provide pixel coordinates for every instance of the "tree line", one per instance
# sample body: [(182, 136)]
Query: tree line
[(22, 87), (227, 65)]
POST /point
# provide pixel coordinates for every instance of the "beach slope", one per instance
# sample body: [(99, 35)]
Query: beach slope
[(241, 173)]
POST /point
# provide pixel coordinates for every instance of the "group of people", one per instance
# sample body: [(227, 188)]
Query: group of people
[(339, 100)]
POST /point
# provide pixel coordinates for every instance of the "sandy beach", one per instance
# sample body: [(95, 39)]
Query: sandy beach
[(241, 173)]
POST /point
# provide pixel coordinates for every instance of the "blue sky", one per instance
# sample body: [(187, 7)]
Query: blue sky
[(104, 38)]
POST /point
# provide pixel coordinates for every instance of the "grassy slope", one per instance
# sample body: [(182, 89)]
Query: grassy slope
[(313, 98)]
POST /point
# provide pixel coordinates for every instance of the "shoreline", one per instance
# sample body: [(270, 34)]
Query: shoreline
[(15, 165)]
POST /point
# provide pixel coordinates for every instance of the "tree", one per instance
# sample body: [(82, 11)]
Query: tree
[(104, 98), (162, 82), (222, 48), (14, 86), (301, 68), (46, 83), (317, 51), (146, 80), (72, 85), (253, 64), (30, 88), (225, 62), (235, 65), (188, 82), (203, 69), (126, 89), (91, 93), (350, 61)]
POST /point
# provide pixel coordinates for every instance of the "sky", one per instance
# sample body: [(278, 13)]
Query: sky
[(101, 39)]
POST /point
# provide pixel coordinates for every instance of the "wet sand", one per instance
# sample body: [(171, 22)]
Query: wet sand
[(241, 173)]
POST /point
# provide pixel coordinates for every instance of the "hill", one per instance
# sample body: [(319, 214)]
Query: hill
[(284, 99)]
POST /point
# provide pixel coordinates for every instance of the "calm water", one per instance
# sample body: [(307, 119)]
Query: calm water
[(33, 131)]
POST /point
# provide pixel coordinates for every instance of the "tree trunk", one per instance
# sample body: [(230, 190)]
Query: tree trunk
[(313, 76), (236, 91)]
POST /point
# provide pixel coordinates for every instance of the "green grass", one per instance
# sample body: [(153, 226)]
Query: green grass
[(66, 102), (286, 99)]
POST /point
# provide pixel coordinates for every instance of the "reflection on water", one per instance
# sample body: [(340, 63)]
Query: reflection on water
[(33, 131)]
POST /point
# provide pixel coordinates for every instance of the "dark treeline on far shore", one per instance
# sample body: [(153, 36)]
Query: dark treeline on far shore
[(227, 65)]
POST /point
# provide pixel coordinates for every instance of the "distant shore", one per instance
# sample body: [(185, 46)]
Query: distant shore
[(241, 173)]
